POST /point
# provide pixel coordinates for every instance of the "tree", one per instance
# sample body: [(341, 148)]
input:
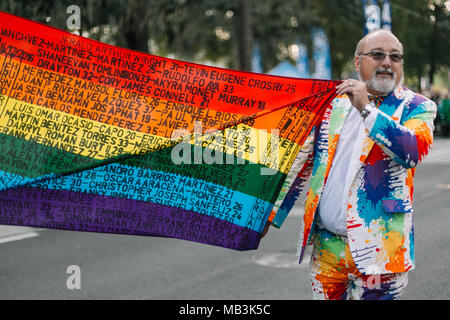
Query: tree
[(277, 24), (224, 30), (245, 34), (343, 22), (439, 41), (423, 27)]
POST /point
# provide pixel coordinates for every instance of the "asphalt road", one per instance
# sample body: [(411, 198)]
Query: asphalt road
[(33, 262)]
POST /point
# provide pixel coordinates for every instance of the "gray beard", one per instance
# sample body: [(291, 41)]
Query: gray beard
[(383, 86)]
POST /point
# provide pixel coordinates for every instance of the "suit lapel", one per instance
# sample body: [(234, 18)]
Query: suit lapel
[(339, 114), (392, 106)]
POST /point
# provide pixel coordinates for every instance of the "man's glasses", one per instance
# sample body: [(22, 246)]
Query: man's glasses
[(380, 56)]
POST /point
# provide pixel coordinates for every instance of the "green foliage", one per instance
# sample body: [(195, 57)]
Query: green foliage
[(343, 22), (200, 30), (423, 27)]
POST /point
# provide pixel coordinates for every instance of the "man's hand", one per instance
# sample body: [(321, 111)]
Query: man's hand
[(266, 228), (356, 91)]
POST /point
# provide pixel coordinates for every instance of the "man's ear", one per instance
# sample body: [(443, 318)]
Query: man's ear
[(357, 63)]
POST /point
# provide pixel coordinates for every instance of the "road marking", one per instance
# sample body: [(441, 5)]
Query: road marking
[(284, 260), (297, 211), (18, 237), (15, 233)]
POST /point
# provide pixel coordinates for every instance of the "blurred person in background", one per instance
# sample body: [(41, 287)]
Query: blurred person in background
[(444, 115)]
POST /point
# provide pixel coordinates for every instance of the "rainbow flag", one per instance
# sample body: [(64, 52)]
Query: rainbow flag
[(104, 139)]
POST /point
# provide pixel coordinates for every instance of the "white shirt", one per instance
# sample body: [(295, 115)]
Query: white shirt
[(332, 205)]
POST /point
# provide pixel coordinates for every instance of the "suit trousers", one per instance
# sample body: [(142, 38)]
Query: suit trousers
[(334, 275)]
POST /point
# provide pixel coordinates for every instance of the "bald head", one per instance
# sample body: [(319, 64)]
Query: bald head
[(360, 47)]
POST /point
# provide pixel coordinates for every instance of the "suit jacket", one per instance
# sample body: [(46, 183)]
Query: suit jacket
[(380, 179)]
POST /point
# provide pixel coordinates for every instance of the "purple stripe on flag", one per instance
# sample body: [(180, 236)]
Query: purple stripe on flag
[(69, 210)]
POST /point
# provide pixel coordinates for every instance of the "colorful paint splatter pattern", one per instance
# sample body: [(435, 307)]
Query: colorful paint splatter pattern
[(380, 179)]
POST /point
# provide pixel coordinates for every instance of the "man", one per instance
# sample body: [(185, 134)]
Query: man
[(361, 162)]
